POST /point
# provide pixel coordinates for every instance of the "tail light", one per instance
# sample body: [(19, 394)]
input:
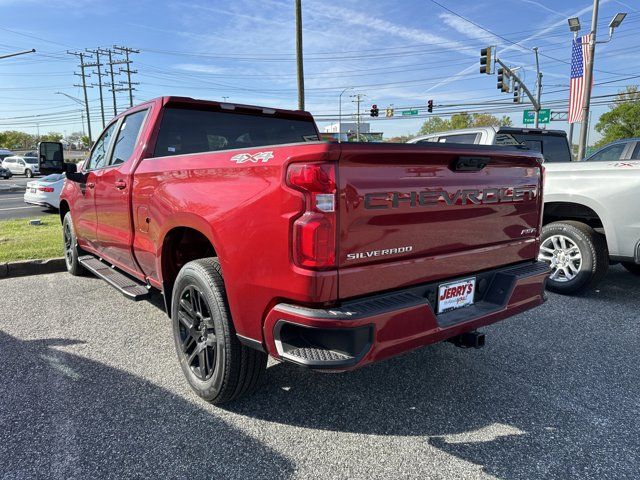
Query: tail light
[(314, 232), (45, 189)]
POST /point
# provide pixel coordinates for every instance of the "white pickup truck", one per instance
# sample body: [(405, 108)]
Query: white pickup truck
[(591, 210)]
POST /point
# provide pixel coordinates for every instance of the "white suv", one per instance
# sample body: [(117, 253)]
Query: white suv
[(26, 164)]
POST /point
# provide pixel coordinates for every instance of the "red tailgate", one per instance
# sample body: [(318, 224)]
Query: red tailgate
[(412, 213)]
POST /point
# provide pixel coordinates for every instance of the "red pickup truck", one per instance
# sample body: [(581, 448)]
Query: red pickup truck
[(265, 240)]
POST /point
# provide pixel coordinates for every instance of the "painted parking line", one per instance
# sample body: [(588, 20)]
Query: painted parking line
[(18, 208)]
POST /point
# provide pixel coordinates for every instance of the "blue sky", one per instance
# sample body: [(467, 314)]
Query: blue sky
[(401, 53)]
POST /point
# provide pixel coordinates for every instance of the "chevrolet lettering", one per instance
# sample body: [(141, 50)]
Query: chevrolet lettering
[(424, 198)]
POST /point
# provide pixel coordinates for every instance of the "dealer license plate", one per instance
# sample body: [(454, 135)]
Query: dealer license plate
[(456, 294)]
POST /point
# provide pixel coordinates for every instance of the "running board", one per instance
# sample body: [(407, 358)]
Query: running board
[(129, 287)]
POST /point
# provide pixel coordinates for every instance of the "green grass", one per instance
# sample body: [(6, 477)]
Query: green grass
[(21, 241)]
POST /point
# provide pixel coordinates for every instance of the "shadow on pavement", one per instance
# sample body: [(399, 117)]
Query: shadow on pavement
[(551, 396), (64, 416)]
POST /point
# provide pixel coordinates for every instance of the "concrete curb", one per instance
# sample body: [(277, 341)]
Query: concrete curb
[(32, 267)]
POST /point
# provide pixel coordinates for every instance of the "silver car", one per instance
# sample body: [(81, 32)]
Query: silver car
[(26, 164)]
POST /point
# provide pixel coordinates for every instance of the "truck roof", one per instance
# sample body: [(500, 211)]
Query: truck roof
[(229, 106)]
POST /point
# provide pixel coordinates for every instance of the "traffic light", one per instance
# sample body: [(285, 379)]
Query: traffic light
[(430, 106), (516, 93), (486, 59), (374, 111), (503, 80), (389, 112)]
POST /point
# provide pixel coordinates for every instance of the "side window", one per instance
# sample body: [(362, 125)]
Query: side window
[(609, 154), (459, 138), (98, 158), (636, 152), (127, 137)]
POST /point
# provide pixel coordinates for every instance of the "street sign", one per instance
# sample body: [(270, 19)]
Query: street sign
[(543, 117), (406, 113)]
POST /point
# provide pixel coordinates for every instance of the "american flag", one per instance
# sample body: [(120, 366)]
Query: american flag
[(579, 59)]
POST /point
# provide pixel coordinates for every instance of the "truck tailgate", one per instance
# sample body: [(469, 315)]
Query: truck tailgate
[(410, 214)]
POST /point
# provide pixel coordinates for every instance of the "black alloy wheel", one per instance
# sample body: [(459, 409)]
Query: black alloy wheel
[(198, 339)]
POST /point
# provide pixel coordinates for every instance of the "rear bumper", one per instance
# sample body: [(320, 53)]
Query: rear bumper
[(369, 329)]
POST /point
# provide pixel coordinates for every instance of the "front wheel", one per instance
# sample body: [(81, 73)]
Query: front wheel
[(632, 267), (217, 366), (71, 249), (577, 255), (28, 173)]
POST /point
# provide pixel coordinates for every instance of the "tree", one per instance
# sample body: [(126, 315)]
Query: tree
[(463, 120), (623, 118), (51, 137), (488, 120), (434, 124), (14, 140)]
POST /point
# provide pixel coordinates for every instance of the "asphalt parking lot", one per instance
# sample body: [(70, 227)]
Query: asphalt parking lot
[(12, 201), (90, 388)]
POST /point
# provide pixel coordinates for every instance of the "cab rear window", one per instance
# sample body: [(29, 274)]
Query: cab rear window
[(185, 131), (554, 148)]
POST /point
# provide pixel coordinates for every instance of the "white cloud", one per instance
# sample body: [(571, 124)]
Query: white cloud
[(199, 67), (356, 18)]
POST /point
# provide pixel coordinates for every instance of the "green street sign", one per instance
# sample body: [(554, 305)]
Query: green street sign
[(530, 115), (410, 112)]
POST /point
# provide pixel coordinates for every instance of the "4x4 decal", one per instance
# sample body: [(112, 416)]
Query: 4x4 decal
[(263, 157)]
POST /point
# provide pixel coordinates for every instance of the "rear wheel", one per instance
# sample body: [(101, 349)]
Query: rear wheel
[(71, 249), (632, 267), (577, 255), (28, 173), (217, 366)]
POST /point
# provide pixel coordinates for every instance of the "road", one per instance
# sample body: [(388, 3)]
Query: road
[(90, 388), (12, 203)]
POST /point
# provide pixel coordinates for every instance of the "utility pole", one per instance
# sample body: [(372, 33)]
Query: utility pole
[(126, 51), (357, 101), (84, 76), (588, 80), (538, 87), (299, 54), (113, 84), (340, 114), (9, 55), (97, 64)]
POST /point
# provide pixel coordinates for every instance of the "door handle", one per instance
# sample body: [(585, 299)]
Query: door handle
[(121, 184), (91, 185)]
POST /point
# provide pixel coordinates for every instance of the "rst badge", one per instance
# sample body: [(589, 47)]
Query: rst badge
[(260, 157)]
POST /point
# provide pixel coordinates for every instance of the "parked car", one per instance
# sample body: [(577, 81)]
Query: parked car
[(620, 150), (46, 191), (5, 153), (265, 240), (5, 173), (26, 164), (552, 144)]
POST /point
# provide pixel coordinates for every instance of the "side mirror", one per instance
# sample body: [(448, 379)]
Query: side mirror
[(50, 158)]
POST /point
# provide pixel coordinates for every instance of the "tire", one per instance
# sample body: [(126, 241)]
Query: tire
[(632, 267), (28, 173), (577, 254), (217, 366), (71, 249)]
